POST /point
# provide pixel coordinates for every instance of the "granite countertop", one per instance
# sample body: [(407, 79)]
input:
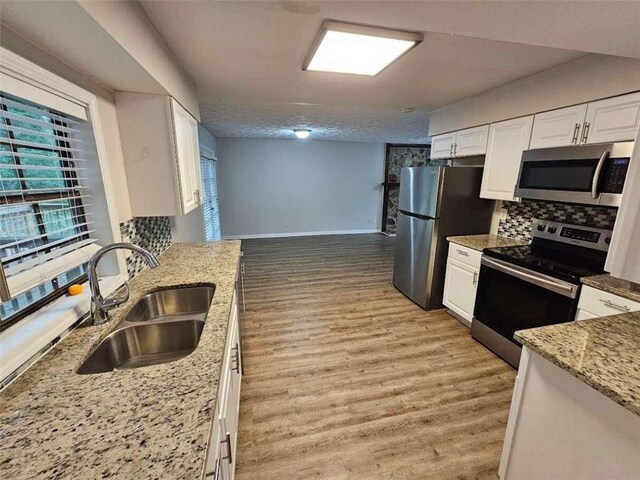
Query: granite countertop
[(602, 352), (616, 286), (489, 240), (145, 423)]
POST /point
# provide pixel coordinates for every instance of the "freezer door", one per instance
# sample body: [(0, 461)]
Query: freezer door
[(419, 190), (413, 264)]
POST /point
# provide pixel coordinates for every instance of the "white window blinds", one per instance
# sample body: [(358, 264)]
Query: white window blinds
[(210, 207), (45, 231)]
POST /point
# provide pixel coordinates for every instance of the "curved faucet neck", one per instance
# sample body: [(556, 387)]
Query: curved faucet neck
[(99, 306)]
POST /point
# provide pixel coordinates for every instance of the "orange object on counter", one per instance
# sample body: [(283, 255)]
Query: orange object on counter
[(75, 289)]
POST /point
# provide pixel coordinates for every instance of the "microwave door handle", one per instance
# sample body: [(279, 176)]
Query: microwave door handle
[(596, 176)]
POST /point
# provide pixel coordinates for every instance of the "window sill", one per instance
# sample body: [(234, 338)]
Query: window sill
[(19, 343)]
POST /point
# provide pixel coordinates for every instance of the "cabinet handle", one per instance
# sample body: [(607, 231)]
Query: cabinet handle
[(475, 278), (616, 306), (575, 134), (227, 440), (236, 359), (462, 252), (451, 150), (585, 132), (196, 196), (455, 149)]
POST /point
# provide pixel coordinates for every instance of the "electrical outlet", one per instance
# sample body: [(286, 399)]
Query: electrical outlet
[(286, 224), (371, 220)]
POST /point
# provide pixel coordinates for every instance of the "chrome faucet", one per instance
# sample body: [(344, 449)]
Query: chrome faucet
[(100, 306)]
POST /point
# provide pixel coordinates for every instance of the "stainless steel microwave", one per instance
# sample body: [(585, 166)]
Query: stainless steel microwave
[(589, 174)]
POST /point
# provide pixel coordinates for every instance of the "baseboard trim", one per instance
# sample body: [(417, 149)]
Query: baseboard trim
[(298, 234)]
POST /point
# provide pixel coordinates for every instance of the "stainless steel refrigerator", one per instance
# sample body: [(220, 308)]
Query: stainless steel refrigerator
[(434, 203)]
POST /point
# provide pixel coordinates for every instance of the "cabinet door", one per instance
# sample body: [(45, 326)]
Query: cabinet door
[(442, 145), (460, 288), (229, 433), (558, 128), (613, 120), (194, 163), (507, 141), (182, 121), (472, 141), (212, 466), (584, 315)]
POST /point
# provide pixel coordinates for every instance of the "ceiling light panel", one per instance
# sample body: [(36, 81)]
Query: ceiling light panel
[(358, 49)]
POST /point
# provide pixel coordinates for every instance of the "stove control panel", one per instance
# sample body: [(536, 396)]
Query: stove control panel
[(584, 236)]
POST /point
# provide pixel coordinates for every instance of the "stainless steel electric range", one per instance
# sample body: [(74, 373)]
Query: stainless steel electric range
[(534, 285)]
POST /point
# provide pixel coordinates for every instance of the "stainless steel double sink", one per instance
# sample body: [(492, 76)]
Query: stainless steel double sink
[(163, 326)]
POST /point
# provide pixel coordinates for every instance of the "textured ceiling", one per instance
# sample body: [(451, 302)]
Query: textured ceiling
[(327, 122), (246, 57)]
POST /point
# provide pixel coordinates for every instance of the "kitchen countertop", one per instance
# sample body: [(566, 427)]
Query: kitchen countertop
[(602, 352), (145, 423), (489, 240), (617, 286)]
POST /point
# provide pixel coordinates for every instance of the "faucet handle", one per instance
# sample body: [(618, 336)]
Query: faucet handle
[(116, 299)]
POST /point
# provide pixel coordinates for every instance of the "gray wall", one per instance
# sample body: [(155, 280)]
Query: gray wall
[(285, 187)]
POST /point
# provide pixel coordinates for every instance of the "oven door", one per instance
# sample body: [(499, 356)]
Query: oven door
[(512, 298), (575, 174)]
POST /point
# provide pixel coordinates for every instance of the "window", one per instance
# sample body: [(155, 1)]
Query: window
[(45, 234), (210, 208)]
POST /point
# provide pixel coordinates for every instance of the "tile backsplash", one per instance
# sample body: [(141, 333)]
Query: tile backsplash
[(151, 233), (517, 224)]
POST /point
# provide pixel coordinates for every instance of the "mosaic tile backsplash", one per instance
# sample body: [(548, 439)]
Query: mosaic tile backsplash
[(517, 224), (151, 233), (401, 157)]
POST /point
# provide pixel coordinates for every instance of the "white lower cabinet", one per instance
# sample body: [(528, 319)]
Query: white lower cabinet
[(221, 453), (597, 303), (461, 281), (560, 428)]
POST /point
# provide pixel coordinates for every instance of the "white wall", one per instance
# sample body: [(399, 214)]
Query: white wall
[(127, 23), (272, 187), (588, 78), (106, 109)]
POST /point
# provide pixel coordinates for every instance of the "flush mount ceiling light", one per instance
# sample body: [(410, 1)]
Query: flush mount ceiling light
[(301, 132), (357, 49)]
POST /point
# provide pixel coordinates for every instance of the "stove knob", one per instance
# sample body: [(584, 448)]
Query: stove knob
[(552, 229), (607, 240), (541, 227)]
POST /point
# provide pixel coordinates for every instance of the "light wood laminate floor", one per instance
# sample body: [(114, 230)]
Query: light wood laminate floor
[(345, 378)]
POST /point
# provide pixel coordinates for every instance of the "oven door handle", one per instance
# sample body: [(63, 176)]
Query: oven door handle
[(535, 278), (596, 175)]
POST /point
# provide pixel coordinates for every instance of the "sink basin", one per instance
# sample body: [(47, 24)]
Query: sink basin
[(163, 326), (144, 344), (172, 304)]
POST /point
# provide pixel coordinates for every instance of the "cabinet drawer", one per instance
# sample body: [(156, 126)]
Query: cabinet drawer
[(465, 254), (602, 303)]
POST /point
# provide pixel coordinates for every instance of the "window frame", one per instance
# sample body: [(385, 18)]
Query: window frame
[(33, 333), (70, 179)]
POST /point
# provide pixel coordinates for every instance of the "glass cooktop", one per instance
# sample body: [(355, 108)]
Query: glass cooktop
[(549, 261)]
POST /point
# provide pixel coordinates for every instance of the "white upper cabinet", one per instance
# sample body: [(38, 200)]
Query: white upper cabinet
[(472, 141), (612, 120), (464, 143), (558, 128), (161, 153), (507, 140), (442, 145), (188, 154)]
